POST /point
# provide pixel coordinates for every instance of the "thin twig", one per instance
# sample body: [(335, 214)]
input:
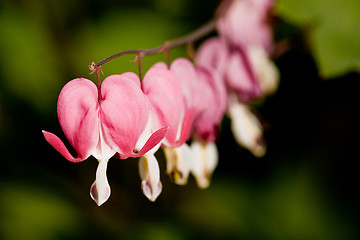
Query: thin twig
[(192, 37)]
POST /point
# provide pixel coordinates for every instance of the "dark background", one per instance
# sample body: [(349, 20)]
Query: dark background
[(304, 188)]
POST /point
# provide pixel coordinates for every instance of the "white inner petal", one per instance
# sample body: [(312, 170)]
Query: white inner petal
[(150, 176), (246, 128)]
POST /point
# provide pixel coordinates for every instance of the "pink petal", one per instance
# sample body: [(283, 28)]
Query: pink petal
[(153, 140), (133, 77), (124, 112), (245, 23), (213, 53), (241, 76), (187, 76), (211, 93), (78, 116), (186, 127), (55, 141), (164, 92), (160, 65)]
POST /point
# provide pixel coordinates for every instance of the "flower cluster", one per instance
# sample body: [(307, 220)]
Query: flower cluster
[(185, 101)]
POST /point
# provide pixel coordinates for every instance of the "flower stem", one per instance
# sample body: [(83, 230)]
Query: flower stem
[(98, 83), (190, 38)]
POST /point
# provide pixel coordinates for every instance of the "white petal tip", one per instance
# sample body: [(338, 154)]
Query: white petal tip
[(203, 183), (151, 192), (99, 196), (177, 177), (258, 149), (178, 163)]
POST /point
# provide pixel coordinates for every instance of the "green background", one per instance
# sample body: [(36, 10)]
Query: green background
[(304, 188)]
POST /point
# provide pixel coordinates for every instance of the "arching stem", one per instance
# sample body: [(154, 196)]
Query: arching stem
[(192, 37)]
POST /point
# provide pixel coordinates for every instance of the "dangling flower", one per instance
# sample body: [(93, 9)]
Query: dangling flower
[(205, 160), (266, 71), (209, 98), (235, 67), (248, 74), (103, 123), (178, 163), (246, 22), (246, 29), (246, 128), (211, 102), (170, 92), (150, 176)]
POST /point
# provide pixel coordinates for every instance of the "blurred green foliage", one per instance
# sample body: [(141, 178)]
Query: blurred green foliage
[(29, 212), (331, 26), (302, 189)]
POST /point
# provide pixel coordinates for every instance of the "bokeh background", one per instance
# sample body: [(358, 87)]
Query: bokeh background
[(304, 188)]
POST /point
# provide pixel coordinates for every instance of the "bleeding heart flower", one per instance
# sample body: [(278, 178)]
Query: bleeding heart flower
[(248, 72), (246, 22), (178, 156), (164, 91), (210, 102), (246, 128), (234, 67), (170, 93), (103, 127)]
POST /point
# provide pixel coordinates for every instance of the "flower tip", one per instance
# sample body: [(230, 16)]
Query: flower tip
[(177, 177), (151, 192), (259, 150), (99, 198), (203, 183)]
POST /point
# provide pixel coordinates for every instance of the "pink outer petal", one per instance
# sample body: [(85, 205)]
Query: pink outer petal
[(213, 53), (187, 75), (164, 92), (241, 76), (245, 23), (186, 127), (78, 116), (159, 65), (124, 112), (55, 141), (211, 93), (133, 77), (153, 140)]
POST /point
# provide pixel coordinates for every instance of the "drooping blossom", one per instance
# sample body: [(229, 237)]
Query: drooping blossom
[(246, 128), (205, 160), (203, 106), (103, 123), (167, 109), (246, 22), (168, 105), (245, 28), (179, 156), (233, 65), (170, 91), (248, 75), (240, 54), (211, 99)]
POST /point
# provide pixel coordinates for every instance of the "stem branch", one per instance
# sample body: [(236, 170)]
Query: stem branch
[(190, 38)]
